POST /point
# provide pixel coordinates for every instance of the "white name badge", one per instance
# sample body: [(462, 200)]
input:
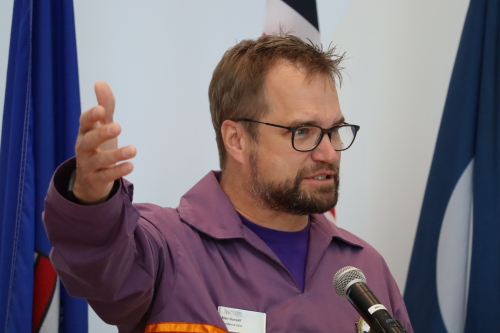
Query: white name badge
[(243, 321)]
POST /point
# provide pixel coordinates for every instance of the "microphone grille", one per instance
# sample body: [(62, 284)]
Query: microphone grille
[(345, 277)]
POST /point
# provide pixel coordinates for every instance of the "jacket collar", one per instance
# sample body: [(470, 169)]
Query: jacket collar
[(208, 209)]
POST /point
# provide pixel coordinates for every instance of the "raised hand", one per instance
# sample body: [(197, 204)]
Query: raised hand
[(97, 152)]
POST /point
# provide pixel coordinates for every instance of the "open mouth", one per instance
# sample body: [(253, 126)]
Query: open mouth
[(322, 177)]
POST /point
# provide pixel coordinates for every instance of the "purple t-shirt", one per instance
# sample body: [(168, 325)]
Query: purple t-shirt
[(290, 247)]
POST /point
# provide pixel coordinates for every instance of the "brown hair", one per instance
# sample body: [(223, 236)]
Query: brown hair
[(236, 89)]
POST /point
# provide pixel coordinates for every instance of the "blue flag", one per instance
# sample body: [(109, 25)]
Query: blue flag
[(40, 124), (453, 278)]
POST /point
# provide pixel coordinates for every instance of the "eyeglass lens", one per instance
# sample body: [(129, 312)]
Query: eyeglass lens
[(307, 137)]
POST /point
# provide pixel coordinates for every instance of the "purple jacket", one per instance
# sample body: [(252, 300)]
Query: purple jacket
[(140, 264)]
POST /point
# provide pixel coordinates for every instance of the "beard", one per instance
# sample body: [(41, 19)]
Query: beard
[(287, 196)]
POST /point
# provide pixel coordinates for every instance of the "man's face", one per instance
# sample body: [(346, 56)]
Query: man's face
[(281, 178)]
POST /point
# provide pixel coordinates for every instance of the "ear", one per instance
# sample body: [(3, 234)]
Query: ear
[(235, 139)]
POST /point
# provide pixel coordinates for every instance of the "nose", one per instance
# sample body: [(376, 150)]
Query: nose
[(325, 152)]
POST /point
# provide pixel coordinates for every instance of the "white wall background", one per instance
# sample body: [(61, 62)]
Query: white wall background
[(158, 57)]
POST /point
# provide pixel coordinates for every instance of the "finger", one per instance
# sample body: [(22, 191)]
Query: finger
[(89, 118), (91, 140), (106, 99), (113, 173), (106, 159)]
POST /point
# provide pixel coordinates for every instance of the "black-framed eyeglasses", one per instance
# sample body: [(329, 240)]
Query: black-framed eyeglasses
[(307, 137)]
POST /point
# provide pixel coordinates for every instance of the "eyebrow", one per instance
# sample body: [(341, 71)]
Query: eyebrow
[(298, 123)]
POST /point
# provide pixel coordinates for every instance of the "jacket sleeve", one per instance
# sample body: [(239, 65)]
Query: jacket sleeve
[(105, 253)]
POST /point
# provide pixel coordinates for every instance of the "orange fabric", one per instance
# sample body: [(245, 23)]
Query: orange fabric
[(182, 328)]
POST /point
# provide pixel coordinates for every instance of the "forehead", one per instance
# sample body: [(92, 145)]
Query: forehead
[(293, 94)]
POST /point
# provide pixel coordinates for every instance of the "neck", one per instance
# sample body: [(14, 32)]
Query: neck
[(252, 207)]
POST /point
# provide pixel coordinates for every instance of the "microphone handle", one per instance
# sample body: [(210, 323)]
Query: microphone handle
[(367, 304)]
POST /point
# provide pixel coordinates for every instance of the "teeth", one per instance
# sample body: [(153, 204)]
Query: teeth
[(320, 177)]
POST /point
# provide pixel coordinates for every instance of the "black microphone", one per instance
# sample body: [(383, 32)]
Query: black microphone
[(350, 283)]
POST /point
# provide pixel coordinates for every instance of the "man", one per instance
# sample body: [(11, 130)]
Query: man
[(246, 250)]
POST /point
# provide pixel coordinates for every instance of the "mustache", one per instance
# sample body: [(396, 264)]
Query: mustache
[(320, 166)]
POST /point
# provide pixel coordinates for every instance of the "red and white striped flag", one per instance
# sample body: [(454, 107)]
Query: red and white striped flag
[(299, 17)]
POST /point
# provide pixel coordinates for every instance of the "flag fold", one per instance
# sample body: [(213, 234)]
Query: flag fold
[(40, 124), (452, 283)]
